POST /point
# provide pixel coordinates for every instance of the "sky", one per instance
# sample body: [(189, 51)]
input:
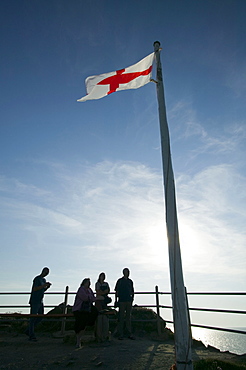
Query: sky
[(81, 185)]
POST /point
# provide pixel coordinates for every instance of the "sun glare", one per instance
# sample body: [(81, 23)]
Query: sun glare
[(157, 242)]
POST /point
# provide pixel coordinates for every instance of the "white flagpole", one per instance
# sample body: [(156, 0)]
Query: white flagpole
[(181, 321)]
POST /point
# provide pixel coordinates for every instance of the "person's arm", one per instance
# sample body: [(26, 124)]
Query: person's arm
[(105, 291), (91, 296), (116, 290), (82, 295), (48, 285), (43, 286), (37, 285), (132, 292), (108, 290), (98, 290), (116, 294)]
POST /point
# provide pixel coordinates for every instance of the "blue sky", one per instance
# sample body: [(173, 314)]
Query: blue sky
[(81, 183)]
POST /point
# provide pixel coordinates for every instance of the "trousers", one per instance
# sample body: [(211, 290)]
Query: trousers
[(125, 310), (37, 308)]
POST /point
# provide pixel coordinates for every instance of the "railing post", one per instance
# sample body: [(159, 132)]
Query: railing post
[(158, 310), (188, 311), (64, 311)]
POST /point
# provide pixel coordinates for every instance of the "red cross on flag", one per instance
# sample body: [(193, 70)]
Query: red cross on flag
[(131, 77)]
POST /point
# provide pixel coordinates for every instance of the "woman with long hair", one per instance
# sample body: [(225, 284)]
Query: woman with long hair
[(84, 311), (102, 290)]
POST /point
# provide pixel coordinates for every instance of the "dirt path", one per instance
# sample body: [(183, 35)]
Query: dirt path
[(16, 352)]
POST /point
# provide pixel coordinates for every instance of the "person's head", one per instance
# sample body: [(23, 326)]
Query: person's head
[(126, 272), (86, 283), (101, 277), (45, 271)]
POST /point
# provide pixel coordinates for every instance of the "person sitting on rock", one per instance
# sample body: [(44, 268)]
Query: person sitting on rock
[(102, 290)]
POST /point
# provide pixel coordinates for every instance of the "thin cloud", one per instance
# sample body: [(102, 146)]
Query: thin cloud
[(185, 121), (216, 142), (212, 208), (111, 215), (14, 186)]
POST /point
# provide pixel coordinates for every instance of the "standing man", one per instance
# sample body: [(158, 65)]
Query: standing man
[(39, 286), (124, 294)]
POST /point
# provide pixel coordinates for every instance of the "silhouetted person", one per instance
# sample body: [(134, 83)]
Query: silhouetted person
[(39, 286), (124, 294), (84, 311), (102, 289)]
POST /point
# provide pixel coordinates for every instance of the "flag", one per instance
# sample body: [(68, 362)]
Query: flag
[(131, 77)]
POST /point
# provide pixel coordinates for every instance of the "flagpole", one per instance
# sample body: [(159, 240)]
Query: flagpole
[(182, 333)]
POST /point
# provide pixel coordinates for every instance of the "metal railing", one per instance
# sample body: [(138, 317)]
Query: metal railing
[(157, 306)]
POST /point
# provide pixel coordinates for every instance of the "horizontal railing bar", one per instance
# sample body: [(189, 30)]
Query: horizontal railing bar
[(216, 293), (141, 306), (161, 306), (26, 306), (213, 328), (217, 310), (189, 293), (20, 315), (28, 293), (68, 320), (167, 321), (72, 293), (210, 310), (60, 316), (220, 329), (43, 320), (45, 306)]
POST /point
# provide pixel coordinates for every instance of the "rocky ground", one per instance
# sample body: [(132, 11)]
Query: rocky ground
[(52, 351)]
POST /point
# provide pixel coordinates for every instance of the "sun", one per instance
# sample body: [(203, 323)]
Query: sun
[(157, 242)]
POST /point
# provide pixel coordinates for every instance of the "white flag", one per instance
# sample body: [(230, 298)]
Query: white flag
[(131, 77)]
